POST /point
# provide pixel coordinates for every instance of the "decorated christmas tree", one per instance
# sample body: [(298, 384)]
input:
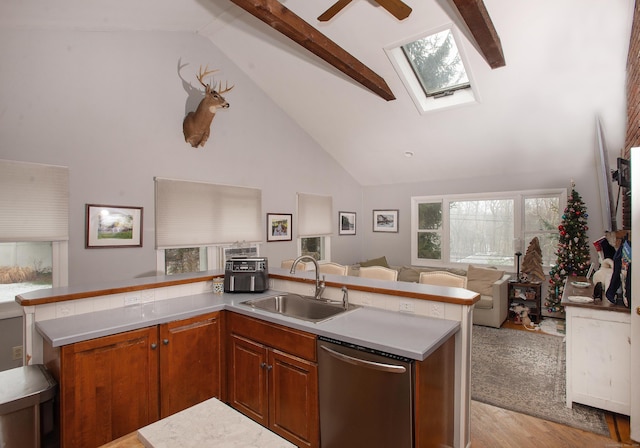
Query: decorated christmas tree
[(573, 249)]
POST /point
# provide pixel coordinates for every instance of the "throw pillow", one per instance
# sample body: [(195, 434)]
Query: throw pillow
[(382, 261), (481, 280), (408, 274)]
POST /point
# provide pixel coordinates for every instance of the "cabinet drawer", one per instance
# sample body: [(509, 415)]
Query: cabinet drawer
[(295, 342)]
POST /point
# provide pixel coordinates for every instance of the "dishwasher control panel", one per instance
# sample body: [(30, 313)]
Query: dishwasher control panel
[(365, 349)]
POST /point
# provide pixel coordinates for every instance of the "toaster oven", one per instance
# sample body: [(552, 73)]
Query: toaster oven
[(246, 274)]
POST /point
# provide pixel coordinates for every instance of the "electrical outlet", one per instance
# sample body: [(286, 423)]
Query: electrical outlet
[(17, 352), (131, 300), (406, 307)]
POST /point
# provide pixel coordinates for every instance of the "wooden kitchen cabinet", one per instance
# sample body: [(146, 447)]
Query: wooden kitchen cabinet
[(273, 377), (108, 387), (190, 362), (114, 385)]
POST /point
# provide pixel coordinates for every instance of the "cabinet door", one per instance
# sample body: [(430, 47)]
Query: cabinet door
[(293, 398), (108, 388), (247, 378), (190, 362), (598, 359)]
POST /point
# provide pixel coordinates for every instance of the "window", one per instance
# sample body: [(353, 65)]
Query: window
[(193, 219), (317, 247), (484, 229), (315, 225), (34, 229), (185, 259), (436, 63), (433, 70), (24, 267)]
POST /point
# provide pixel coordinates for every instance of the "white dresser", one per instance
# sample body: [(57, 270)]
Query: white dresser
[(598, 352)]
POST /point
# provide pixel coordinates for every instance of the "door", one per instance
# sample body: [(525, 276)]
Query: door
[(247, 378), (190, 367), (635, 289), (109, 387), (293, 398)]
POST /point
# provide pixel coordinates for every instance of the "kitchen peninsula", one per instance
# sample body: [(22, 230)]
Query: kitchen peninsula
[(69, 317)]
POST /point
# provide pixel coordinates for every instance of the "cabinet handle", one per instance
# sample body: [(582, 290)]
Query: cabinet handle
[(154, 346), (263, 365), (165, 341), (269, 367)]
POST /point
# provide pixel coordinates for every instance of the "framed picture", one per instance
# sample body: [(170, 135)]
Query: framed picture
[(113, 226), (346, 223), (278, 227), (385, 220)]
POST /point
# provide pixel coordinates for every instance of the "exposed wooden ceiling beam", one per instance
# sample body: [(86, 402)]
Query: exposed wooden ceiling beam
[(277, 16), (475, 15)]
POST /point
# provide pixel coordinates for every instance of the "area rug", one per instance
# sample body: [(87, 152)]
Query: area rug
[(524, 371)]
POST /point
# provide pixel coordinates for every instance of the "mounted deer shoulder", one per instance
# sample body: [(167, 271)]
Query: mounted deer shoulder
[(197, 124)]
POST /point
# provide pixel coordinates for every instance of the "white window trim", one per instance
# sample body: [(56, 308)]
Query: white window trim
[(519, 232)]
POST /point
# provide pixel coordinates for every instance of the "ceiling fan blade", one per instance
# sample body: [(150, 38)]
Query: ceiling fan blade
[(396, 7), (333, 10)]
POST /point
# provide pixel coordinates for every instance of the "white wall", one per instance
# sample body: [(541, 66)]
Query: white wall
[(110, 105), (10, 336)]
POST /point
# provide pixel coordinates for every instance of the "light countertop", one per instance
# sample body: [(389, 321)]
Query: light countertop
[(210, 423), (398, 333)]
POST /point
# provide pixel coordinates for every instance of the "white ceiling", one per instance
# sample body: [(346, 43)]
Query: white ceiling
[(565, 65)]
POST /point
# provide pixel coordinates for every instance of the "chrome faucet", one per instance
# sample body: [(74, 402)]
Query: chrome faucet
[(319, 284), (345, 298)]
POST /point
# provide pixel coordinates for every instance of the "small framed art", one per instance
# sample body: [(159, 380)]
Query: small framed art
[(113, 226), (385, 220), (279, 226), (346, 223)]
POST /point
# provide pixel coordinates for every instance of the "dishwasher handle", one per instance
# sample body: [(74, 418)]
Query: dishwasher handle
[(391, 368)]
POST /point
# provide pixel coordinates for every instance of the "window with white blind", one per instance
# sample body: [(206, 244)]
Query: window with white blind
[(193, 218), (484, 228), (315, 225), (34, 227)]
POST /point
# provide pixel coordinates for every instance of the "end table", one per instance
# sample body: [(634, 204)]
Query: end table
[(526, 294)]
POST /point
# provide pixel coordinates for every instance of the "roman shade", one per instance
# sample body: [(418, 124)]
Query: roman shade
[(34, 202), (314, 215), (192, 214)]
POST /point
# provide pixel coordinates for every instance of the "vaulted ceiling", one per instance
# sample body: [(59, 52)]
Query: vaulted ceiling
[(542, 71)]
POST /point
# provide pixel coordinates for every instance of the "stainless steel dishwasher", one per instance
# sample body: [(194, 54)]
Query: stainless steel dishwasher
[(366, 397)]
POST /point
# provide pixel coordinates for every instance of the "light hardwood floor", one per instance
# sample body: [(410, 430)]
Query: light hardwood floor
[(493, 427)]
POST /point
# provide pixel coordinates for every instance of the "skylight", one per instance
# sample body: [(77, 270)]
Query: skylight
[(432, 69), (436, 62)]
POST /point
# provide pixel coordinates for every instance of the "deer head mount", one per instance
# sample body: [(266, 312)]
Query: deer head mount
[(197, 124)]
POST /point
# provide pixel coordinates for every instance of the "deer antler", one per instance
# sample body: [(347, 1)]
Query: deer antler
[(226, 88), (204, 74)]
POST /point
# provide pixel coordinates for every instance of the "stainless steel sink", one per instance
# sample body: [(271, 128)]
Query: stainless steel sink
[(301, 307)]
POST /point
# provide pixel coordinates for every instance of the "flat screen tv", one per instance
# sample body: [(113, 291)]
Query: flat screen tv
[(604, 181)]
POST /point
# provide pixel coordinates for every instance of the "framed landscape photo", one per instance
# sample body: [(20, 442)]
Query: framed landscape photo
[(346, 223), (278, 227), (385, 220), (113, 226)]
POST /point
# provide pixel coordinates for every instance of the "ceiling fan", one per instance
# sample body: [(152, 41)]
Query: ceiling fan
[(397, 8)]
